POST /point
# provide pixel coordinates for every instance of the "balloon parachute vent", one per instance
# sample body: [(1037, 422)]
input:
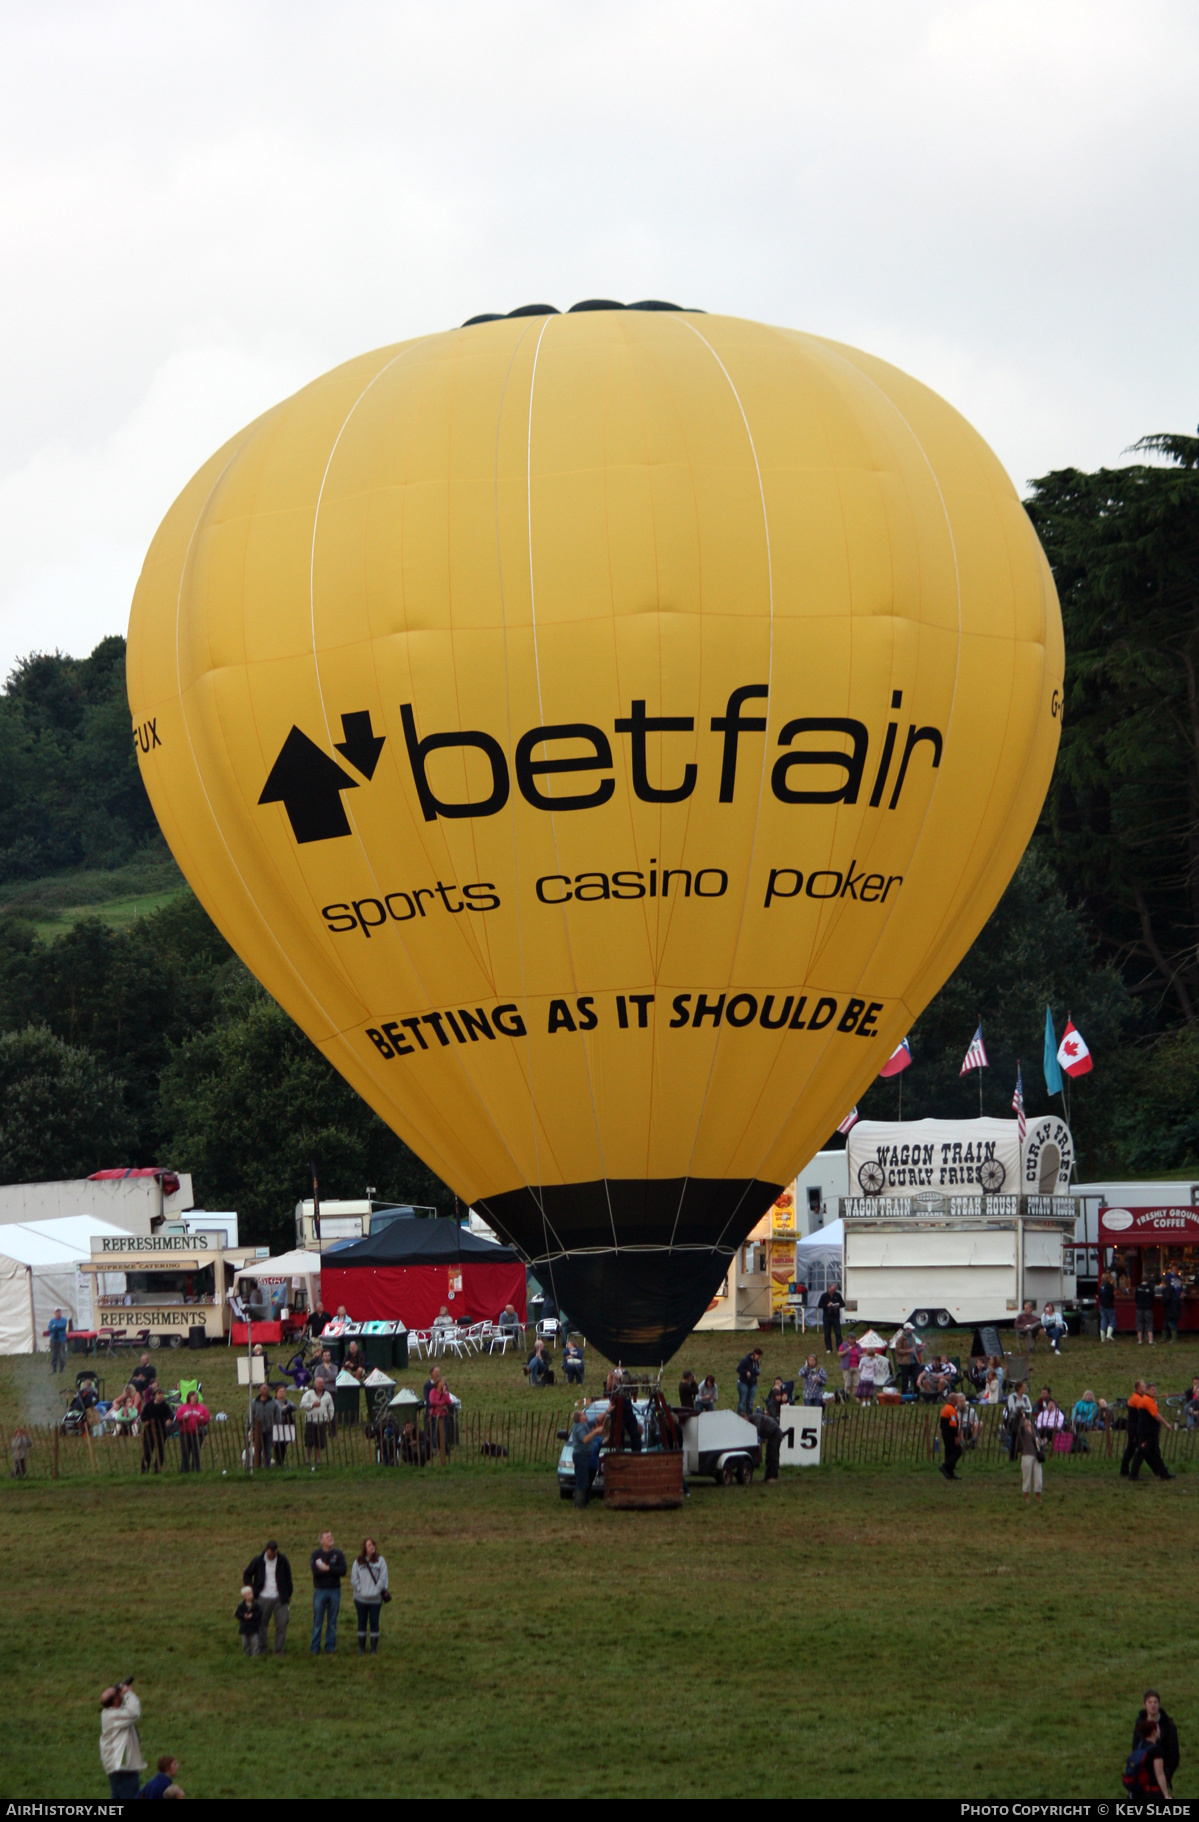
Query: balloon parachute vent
[(588, 303)]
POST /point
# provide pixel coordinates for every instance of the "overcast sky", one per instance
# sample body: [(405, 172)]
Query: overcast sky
[(203, 207)]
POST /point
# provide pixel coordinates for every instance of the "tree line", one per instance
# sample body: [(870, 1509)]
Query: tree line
[(152, 1044)]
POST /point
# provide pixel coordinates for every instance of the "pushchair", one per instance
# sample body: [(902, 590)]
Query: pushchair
[(83, 1400)]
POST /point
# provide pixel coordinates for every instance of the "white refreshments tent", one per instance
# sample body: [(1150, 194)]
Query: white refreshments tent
[(289, 1269), (818, 1258), (39, 1273)]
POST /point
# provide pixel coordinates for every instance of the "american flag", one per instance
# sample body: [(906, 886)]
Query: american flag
[(976, 1056), (851, 1119), (1018, 1104)]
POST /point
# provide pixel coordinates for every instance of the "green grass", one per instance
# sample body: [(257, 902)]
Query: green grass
[(115, 895), (852, 1632)]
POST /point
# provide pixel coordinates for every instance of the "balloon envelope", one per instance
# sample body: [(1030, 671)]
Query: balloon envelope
[(603, 733)]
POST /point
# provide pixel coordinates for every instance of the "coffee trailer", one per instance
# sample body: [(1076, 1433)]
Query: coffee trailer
[(1139, 1241)]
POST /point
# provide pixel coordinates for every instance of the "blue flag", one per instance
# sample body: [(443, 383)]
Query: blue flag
[(1053, 1075)]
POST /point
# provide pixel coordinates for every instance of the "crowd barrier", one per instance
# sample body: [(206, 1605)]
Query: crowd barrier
[(874, 1436), (524, 1440)]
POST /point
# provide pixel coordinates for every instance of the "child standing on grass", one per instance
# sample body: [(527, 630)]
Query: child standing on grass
[(248, 1615), (21, 1445)]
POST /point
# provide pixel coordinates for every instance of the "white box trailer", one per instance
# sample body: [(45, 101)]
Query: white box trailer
[(971, 1260), (133, 1200)]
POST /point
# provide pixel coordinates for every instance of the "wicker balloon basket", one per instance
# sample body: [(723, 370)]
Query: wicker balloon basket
[(644, 1482)]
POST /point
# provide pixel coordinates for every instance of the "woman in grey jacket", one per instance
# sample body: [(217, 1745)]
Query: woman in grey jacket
[(368, 1579)]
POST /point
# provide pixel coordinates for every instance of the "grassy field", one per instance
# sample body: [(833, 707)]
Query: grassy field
[(852, 1632), (115, 895)]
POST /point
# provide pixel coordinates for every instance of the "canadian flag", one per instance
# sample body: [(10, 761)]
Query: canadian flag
[(1072, 1052)]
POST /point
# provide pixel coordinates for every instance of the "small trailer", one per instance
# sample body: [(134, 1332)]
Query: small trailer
[(720, 1444)]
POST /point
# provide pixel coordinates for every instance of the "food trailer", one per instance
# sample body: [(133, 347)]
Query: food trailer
[(1143, 1242), (743, 1299), (161, 1289), (954, 1261), (958, 1221)]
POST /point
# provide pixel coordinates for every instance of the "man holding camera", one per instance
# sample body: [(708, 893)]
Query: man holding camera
[(120, 1747)]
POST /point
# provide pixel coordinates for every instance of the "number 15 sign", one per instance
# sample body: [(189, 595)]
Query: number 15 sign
[(802, 1426)]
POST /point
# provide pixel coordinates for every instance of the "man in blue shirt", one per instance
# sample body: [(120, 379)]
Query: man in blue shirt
[(58, 1342)]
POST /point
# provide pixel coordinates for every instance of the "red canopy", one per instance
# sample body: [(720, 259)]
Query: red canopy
[(414, 1294), (1169, 1226)]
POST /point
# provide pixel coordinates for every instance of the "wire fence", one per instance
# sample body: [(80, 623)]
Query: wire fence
[(853, 1435)]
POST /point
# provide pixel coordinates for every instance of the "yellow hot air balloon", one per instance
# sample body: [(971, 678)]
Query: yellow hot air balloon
[(603, 733)]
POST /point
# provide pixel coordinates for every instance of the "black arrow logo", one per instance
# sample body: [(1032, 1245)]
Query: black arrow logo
[(361, 745), (309, 785)]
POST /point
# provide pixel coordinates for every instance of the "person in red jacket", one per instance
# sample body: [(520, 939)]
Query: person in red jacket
[(951, 1433), (192, 1419)]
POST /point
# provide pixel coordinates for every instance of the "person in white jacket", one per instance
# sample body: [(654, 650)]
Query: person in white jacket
[(120, 1747), (368, 1579)]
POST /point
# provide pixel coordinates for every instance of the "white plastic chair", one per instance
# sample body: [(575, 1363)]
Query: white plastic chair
[(499, 1338), (418, 1343), (474, 1336), (547, 1330)]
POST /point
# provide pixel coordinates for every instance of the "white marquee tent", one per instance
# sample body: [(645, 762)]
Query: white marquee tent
[(818, 1258), (39, 1272)]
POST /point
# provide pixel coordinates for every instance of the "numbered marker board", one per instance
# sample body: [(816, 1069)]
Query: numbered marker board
[(802, 1427)]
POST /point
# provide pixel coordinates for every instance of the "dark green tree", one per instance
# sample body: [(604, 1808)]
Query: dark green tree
[(250, 1104), (62, 1114), (1122, 814), (73, 794), (126, 995), (1035, 950)]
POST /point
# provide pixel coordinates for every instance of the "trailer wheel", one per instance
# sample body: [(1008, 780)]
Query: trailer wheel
[(724, 1476), (155, 1341), (920, 1319), (944, 1319), (745, 1473), (176, 1341)]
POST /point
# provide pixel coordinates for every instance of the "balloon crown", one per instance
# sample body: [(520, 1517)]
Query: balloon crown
[(589, 303)]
